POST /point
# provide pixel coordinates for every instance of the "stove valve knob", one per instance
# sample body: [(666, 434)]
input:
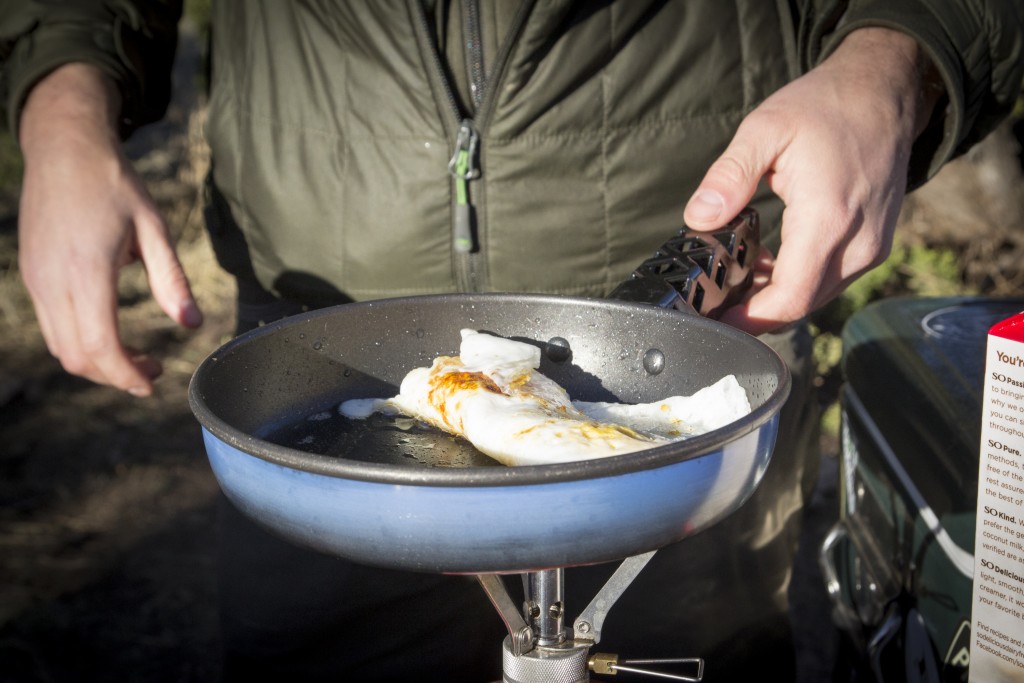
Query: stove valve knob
[(604, 663)]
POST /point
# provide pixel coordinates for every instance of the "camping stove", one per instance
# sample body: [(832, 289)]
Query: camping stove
[(539, 649)]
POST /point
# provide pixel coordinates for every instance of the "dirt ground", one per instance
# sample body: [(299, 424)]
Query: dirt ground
[(106, 522), (107, 505)]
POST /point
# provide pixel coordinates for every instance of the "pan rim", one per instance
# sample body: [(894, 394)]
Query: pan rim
[(525, 475)]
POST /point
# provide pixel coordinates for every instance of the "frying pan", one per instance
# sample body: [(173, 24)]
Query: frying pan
[(399, 496)]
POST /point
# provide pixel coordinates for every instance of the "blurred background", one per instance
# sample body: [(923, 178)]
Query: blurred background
[(107, 505)]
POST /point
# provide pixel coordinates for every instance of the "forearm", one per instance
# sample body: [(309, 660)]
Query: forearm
[(74, 104)]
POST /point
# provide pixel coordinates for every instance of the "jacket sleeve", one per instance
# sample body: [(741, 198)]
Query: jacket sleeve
[(133, 42), (977, 47)]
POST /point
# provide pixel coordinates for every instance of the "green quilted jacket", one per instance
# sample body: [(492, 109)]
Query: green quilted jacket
[(374, 149)]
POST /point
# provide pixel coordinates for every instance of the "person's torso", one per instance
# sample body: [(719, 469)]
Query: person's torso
[(333, 125)]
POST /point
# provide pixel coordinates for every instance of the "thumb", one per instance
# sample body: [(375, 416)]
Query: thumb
[(167, 279), (729, 184)]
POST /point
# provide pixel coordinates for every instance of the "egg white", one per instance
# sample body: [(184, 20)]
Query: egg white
[(493, 396)]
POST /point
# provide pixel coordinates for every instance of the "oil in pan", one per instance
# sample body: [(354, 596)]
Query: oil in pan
[(393, 440)]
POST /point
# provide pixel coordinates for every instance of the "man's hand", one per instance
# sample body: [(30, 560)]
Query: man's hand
[(85, 214), (834, 145)]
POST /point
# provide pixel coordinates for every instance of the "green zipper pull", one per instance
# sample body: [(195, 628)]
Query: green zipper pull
[(462, 167)]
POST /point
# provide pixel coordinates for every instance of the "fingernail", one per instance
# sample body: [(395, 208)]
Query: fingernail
[(138, 392), (706, 205), (191, 315)]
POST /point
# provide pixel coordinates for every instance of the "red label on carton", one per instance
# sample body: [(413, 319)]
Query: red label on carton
[(1011, 328)]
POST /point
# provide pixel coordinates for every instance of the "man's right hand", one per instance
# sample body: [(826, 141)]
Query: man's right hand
[(85, 214)]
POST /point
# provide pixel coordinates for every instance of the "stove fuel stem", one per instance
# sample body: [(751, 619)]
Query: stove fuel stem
[(601, 663)]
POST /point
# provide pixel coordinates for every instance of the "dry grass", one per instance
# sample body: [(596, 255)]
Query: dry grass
[(975, 206)]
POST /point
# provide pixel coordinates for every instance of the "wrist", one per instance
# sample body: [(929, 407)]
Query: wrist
[(74, 101), (894, 60)]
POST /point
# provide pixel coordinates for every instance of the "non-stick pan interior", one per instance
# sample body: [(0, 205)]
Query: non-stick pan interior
[(274, 392)]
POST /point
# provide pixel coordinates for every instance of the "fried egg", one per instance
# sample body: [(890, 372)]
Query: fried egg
[(493, 396)]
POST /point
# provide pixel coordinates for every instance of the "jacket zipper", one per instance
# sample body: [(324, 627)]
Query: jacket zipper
[(463, 167), (473, 41), (464, 164)]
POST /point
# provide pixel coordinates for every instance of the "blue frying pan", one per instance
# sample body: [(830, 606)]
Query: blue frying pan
[(393, 494)]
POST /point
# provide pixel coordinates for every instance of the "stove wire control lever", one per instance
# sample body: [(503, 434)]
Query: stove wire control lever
[(609, 664)]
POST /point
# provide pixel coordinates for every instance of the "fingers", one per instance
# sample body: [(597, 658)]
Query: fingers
[(732, 179), (725, 190), (79, 325), (99, 354), (786, 288), (167, 279), (70, 264), (821, 254)]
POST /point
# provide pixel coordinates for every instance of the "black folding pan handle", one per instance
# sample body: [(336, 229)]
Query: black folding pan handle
[(702, 272)]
